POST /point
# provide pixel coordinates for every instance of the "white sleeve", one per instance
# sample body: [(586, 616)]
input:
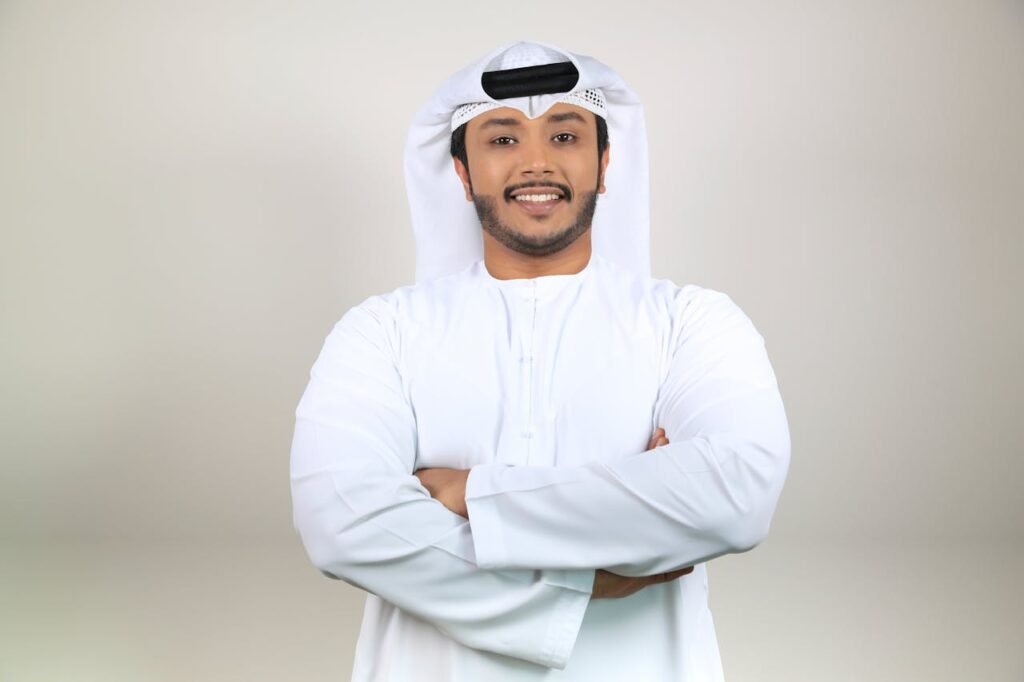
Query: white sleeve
[(711, 491), (364, 518)]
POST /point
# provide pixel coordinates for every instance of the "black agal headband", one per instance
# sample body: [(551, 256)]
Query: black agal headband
[(527, 81)]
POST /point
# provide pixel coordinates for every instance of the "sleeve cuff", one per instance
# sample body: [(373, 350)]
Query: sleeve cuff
[(569, 612), (488, 540)]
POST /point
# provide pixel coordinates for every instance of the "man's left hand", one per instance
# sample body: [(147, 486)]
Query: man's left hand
[(447, 486)]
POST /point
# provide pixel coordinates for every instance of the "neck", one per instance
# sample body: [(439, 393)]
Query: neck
[(504, 263)]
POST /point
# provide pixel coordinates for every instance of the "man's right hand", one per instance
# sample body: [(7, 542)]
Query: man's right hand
[(608, 585)]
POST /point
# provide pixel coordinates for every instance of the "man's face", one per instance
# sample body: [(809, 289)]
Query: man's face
[(534, 182)]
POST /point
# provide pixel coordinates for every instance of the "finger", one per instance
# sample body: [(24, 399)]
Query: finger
[(672, 575), (666, 577)]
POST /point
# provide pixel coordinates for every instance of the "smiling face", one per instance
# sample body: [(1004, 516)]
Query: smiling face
[(534, 182)]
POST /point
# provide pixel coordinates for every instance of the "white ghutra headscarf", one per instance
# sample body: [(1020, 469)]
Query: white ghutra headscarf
[(448, 233)]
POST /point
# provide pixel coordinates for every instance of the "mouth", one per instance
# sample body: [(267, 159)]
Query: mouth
[(538, 199)]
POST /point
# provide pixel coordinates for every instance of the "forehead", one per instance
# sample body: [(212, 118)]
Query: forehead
[(561, 112)]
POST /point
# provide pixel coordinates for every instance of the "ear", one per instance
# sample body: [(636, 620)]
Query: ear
[(463, 174), (605, 156)]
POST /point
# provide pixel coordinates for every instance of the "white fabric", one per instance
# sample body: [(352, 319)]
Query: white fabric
[(591, 99), (548, 389), (448, 233)]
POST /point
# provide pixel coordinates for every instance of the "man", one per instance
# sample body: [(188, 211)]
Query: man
[(475, 451)]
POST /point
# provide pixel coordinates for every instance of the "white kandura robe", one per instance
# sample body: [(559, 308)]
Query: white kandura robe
[(549, 390)]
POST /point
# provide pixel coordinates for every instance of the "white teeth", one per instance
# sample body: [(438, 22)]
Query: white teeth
[(537, 197)]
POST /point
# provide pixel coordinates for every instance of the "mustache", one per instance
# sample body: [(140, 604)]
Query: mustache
[(564, 189)]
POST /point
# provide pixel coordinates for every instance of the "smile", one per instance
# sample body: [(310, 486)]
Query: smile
[(538, 205), (538, 198)]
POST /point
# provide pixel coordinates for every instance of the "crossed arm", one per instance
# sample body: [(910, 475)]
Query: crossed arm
[(520, 582), (448, 486)]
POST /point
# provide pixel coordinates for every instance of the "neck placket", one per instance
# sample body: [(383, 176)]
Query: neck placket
[(524, 439)]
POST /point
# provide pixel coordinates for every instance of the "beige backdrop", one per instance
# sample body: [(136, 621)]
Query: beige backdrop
[(192, 193)]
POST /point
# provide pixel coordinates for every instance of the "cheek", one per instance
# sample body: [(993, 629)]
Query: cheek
[(584, 172), (487, 178)]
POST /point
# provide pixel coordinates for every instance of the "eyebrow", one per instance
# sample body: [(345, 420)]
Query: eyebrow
[(565, 116), (495, 122)]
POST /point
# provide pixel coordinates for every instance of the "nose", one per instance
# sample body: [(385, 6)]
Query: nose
[(536, 161)]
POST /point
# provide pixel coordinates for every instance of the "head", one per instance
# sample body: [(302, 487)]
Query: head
[(534, 182)]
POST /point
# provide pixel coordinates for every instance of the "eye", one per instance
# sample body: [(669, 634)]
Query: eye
[(503, 140), (564, 137)]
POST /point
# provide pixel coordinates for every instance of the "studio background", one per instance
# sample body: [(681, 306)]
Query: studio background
[(193, 193)]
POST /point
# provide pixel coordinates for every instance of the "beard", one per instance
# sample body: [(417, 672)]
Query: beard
[(535, 245)]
